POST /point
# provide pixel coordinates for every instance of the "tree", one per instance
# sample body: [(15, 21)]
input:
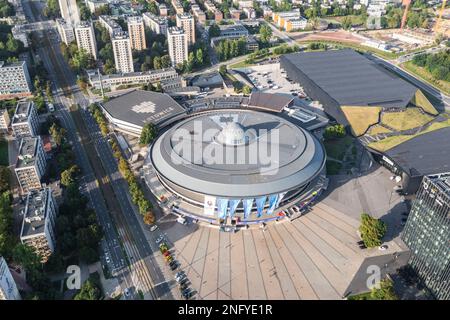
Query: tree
[(347, 23), (57, 134), (372, 230), (214, 31), (12, 45), (26, 257), (6, 225), (68, 176), (148, 134), (149, 218), (385, 291), (89, 291), (333, 132), (246, 90), (265, 33), (5, 175), (199, 56)]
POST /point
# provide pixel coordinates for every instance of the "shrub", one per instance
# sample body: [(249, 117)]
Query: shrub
[(372, 230)]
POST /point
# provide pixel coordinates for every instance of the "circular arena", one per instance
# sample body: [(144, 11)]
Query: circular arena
[(245, 165)]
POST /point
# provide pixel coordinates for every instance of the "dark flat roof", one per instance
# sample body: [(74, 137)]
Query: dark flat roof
[(425, 154), (139, 107), (351, 79), (268, 101)]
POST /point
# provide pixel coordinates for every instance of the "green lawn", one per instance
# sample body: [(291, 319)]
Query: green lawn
[(426, 76), (4, 160), (405, 120), (336, 148)]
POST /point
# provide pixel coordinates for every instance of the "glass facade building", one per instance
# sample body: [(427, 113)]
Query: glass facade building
[(427, 234)]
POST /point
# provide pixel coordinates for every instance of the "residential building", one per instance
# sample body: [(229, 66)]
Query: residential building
[(96, 4), (110, 24), (162, 10), (137, 33), (249, 12), (112, 81), (69, 11), (123, 56), (85, 35), (186, 22), (157, 24), (427, 234), (218, 15), (15, 80), (267, 11), (31, 164), (280, 17), (65, 31), (198, 13), (25, 122), (8, 287), (177, 6), (295, 24), (4, 120), (38, 225), (245, 4), (235, 14), (178, 45), (20, 34)]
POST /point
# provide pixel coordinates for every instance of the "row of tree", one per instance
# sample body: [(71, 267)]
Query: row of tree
[(6, 9), (227, 49), (136, 192), (78, 58), (437, 64)]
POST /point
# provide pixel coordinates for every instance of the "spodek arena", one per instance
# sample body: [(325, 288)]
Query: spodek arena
[(249, 165)]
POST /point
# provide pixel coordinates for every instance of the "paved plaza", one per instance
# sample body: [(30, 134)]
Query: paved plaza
[(313, 257)]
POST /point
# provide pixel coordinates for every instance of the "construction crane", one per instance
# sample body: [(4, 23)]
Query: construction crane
[(437, 26), (406, 4)]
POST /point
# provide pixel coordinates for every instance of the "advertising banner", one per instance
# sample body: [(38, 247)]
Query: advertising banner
[(248, 203)]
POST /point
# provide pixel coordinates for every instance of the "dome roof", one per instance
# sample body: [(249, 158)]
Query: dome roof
[(232, 134)]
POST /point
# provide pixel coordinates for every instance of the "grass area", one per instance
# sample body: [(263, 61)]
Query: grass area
[(4, 159), (333, 167), (361, 118), (336, 148), (421, 101), (390, 142), (378, 129), (408, 119), (361, 296), (358, 47), (426, 76)]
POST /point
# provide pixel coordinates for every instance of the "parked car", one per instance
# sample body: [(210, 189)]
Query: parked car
[(153, 228), (174, 266), (183, 286), (159, 239), (169, 258), (383, 247)]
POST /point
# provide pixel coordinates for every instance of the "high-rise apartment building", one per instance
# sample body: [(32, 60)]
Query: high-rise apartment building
[(85, 35), (38, 225), (8, 287), (25, 122), (110, 24), (65, 31), (123, 56), (186, 22), (427, 234), (157, 24), (4, 120), (178, 45), (15, 80), (30, 164), (136, 32), (69, 11)]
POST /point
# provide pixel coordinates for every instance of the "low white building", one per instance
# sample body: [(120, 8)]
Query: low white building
[(25, 122)]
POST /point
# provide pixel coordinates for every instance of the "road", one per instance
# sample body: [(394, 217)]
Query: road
[(129, 229)]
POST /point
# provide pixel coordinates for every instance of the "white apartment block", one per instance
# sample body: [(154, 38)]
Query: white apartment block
[(186, 22), (112, 81), (177, 6), (249, 12), (157, 24), (8, 287), (136, 31), (31, 163), (65, 31), (123, 56), (4, 120), (38, 225), (85, 35), (25, 122), (69, 11), (178, 45), (110, 24), (163, 10), (96, 4), (198, 13), (15, 80)]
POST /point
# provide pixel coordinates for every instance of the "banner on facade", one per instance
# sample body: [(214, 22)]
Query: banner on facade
[(260, 202), (233, 206), (247, 203), (222, 206), (209, 206)]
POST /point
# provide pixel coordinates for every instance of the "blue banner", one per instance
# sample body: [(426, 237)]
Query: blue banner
[(222, 205), (260, 202), (280, 197), (233, 205), (248, 203), (273, 200)]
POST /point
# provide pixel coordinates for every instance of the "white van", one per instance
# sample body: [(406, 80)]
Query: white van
[(181, 220)]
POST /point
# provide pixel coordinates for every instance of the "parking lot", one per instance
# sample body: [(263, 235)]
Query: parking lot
[(271, 79)]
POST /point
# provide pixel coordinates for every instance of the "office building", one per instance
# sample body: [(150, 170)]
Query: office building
[(157, 24), (65, 31), (85, 35), (178, 45), (8, 287), (186, 22), (25, 122), (38, 225), (31, 164), (427, 234), (69, 11), (123, 56), (136, 31), (15, 80)]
